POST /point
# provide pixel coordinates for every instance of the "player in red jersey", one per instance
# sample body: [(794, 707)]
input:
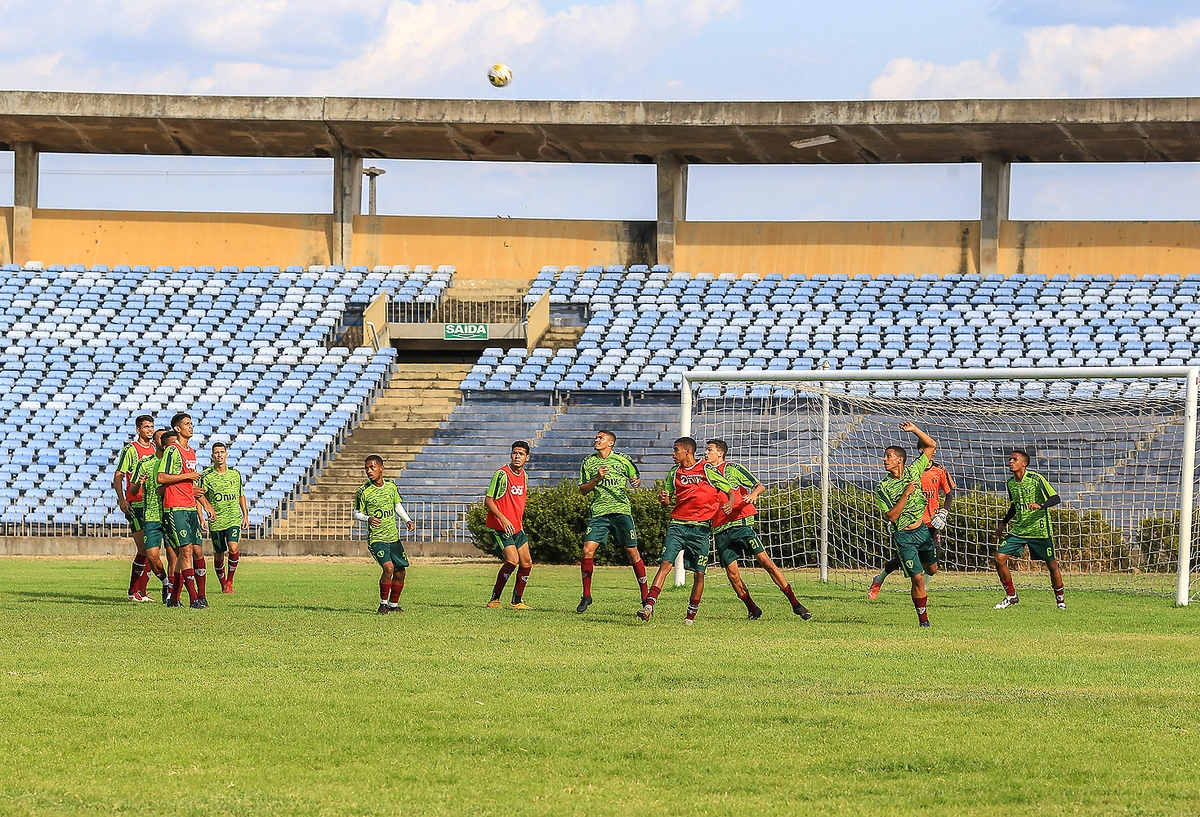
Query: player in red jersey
[(181, 513), (132, 501), (505, 503), (936, 483), (695, 491), (733, 530)]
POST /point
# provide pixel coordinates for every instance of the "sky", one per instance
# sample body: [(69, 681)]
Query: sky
[(609, 49)]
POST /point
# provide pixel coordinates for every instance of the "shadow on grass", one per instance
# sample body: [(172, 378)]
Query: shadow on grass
[(308, 608), (73, 598)]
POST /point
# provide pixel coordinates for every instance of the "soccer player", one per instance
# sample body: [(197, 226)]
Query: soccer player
[(223, 488), (378, 503), (146, 474), (935, 482), (695, 492), (505, 503), (607, 475), (1032, 496), (181, 513), (132, 502), (733, 530), (900, 498)]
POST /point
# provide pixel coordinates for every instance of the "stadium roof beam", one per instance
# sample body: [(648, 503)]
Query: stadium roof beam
[(731, 133)]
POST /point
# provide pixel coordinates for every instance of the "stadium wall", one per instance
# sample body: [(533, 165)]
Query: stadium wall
[(488, 248)]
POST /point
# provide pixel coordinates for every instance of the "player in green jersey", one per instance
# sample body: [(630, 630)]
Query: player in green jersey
[(1032, 496), (146, 474), (379, 504), (131, 501), (607, 476), (223, 488), (733, 531), (902, 501)]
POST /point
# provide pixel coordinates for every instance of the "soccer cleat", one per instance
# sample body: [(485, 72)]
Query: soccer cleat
[(519, 605), (584, 603), (166, 597), (226, 587), (196, 605), (925, 624), (493, 604), (1062, 605), (203, 602), (132, 597), (396, 608), (873, 593), (384, 609), (645, 613), (802, 611), (142, 597), (755, 614), (1008, 601), (688, 622), (174, 603)]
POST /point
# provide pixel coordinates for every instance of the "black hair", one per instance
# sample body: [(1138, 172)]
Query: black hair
[(688, 443), (524, 444), (899, 450), (179, 418), (374, 458), (142, 418), (721, 446)]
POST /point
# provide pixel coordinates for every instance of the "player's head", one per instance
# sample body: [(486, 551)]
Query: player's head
[(143, 424), (683, 449), (715, 451), (894, 459), (518, 454), (1018, 460), (219, 453), (165, 437), (182, 423), (605, 440), (373, 465)]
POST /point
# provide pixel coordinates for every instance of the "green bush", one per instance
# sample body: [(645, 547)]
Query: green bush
[(1158, 539), (556, 521)]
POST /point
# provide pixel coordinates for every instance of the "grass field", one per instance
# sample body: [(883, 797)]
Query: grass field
[(293, 697)]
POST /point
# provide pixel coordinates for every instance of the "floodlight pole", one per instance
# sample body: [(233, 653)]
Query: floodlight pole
[(372, 173)]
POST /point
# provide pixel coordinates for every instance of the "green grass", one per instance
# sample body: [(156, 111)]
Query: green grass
[(293, 697)]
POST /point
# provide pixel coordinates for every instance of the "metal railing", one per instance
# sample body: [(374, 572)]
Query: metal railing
[(507, 309), (307, 520)]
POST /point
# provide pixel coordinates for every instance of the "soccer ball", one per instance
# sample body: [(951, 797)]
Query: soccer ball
[(938, 520), (499, 75)]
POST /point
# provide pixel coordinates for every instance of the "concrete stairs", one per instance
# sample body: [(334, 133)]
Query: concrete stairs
[(561, 337), (418, 399)]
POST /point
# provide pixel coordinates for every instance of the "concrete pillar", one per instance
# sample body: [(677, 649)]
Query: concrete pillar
[(25, 200), (993, 210), (672, 204), (347, 203)]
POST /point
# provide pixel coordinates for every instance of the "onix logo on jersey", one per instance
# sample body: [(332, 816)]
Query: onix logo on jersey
[(227, 497)]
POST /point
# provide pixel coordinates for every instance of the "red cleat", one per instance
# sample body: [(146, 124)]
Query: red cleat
[(226, 587), (873, 593)]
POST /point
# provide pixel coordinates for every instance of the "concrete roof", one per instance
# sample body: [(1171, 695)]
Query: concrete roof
[(865, 132)]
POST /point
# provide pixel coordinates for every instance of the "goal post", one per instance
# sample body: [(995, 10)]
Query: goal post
[(1119, 444)]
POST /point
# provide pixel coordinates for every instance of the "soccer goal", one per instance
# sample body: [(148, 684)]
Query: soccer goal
[(1118, 443)]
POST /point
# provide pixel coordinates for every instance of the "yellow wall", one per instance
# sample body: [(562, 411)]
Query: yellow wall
[(491, 249), (850, 247)]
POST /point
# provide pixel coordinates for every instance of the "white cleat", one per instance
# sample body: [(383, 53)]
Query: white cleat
[(688, 622), (1062, 605), (1009, 601)]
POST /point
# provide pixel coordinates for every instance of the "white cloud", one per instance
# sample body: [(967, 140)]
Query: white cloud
[(1061, 61), (386, 47)]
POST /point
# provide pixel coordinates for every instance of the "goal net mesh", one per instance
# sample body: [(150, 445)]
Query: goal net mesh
[(1112, 448)]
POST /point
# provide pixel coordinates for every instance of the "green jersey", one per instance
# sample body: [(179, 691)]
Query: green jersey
[(147, 474), (611, 494), (1033, 488), (380, 501), (224, 493), (891, 489)]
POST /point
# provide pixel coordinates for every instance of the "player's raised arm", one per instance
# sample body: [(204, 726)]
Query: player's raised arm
[(924, 442)]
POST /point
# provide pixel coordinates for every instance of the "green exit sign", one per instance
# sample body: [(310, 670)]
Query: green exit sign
[(465, 331)]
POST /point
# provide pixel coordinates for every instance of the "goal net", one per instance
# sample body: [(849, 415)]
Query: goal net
[(1118, 444)]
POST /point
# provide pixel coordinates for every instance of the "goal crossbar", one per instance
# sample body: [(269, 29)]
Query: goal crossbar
[(1189, 374)]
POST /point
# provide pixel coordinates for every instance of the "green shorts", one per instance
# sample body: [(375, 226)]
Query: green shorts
[(222, 539), (183, 524), (154, 535), (692, 540), (620, 525), (915, 548), (136, 518), (384, 552), (1040, 549), (501, 540), (737, 541)]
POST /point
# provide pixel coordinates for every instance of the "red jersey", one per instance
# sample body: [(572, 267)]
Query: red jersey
[(741, 483), (508, 492), (935, 481), (698, 492), (179, 460), (134, 453)]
